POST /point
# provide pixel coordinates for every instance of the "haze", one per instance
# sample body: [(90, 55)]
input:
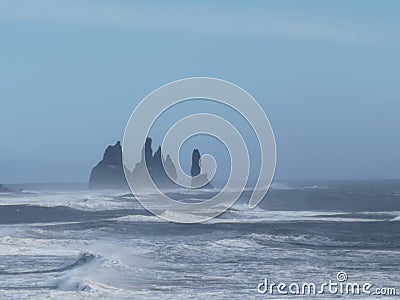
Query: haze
[(325, 72)]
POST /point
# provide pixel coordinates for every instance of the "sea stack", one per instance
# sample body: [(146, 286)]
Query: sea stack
[(109, 172), (195, 172), (155, 165)]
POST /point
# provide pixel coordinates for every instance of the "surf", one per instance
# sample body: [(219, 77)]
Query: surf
[(83, 259)]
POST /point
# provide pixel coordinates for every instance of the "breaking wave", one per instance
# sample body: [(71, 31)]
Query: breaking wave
[(82, 260)]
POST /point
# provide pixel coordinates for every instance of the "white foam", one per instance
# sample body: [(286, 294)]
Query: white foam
[(140, 219), (83, 200)]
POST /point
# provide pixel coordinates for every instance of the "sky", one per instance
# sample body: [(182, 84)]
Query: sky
[(326, 74)]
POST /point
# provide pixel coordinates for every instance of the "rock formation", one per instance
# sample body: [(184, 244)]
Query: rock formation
[(195, 171), (155, 165), (109, 173)]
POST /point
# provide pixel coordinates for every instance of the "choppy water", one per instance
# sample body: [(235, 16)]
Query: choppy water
[(77, 244)]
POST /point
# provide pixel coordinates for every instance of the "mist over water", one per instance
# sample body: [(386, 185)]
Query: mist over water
[(70, 243)]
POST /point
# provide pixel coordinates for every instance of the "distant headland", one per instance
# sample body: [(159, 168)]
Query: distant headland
[(4, 189), (109, 172)]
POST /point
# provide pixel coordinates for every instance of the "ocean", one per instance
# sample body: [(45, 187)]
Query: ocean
[(66, 242)]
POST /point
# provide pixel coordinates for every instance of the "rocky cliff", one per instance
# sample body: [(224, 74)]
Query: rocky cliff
[(3, 189)]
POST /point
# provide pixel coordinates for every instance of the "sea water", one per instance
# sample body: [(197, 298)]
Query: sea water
[(71, 243)]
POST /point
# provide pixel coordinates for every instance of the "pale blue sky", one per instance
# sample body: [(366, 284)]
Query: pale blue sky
[(326, 73)]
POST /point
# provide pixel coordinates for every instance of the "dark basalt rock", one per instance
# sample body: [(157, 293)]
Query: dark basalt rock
[(195, 170), (109, 173), (155, 165)]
